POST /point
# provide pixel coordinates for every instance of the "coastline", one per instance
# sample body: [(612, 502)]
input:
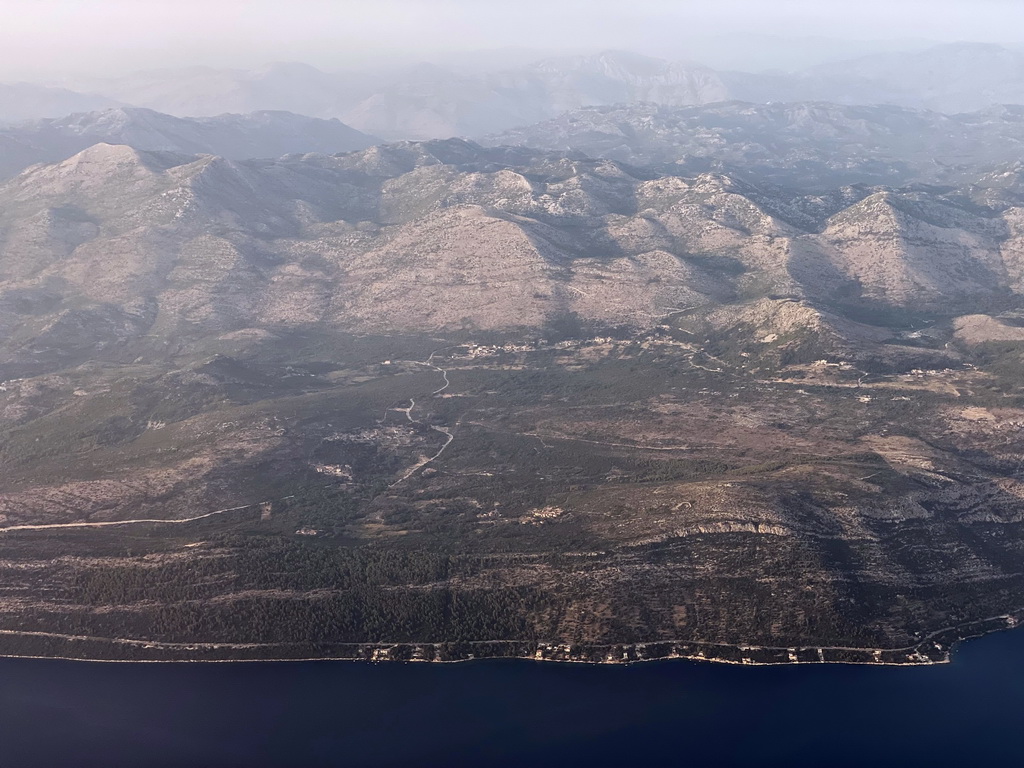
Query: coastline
[(934, 649)]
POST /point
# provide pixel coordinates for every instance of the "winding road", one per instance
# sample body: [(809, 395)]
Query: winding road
[(111, 523), (447, 431)]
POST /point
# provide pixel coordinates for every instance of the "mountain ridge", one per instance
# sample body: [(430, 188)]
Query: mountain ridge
[(259, 134)]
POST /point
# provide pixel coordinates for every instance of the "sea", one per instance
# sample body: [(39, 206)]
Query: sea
[(516, 713)]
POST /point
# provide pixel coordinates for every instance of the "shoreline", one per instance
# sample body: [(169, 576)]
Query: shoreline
[(933, 650)]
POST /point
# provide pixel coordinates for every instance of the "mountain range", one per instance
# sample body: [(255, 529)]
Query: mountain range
[(803, 145), (799, 144), (449, 235)]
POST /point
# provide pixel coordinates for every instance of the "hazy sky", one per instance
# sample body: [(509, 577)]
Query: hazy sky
[(43, 37)]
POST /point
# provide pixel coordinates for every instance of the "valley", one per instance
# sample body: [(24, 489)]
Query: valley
[(610, 494)]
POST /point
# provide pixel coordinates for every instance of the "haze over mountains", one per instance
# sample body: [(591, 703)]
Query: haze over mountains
[(25, 101), (428, 101), (424, 101), (956, 77)]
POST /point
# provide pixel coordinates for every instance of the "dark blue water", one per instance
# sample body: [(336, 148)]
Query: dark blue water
[(508, 713)]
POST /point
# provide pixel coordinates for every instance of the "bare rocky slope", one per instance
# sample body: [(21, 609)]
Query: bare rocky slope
[(439, 401), (448, 235)]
